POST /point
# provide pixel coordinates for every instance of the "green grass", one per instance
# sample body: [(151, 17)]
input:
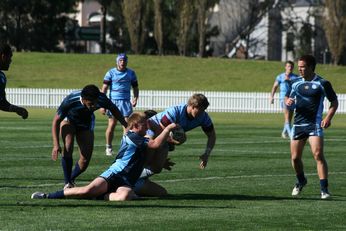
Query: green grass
[(246, 185), (49, 70)]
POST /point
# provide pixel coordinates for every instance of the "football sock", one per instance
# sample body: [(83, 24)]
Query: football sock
[(76, 172), (66, 163), (108, 146), (301, 178), (324, 185), (56, 195), (146, 173)]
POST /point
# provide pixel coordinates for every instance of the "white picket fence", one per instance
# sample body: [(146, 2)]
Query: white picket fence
[(246, 102)]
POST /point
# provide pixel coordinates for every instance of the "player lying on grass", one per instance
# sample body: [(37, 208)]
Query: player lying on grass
[(75, 118), (116, 183), (189, 116)]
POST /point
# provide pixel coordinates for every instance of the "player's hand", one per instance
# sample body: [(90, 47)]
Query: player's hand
[(325, 123), (204, 161), (103, 111), (168, 164), (289, 101), (271, 100), (22, 112), (55, 152), (134, 102)]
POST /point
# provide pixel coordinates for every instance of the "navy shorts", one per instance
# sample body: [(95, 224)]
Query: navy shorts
[(300, 132)]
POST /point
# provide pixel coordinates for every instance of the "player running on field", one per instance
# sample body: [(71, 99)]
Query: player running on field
[(308, 93)]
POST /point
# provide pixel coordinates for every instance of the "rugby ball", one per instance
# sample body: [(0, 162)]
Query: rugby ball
[(178, 134)]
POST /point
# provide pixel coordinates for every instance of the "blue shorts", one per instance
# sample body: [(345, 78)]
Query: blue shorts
[(300, 132), (284, 106), (114, 180), (124, 106), (80, 126)]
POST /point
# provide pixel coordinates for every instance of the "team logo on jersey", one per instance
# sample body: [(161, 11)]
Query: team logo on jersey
[(306, 87), (314, 86)]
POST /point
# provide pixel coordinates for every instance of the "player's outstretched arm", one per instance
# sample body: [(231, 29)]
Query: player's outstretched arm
[(55, 137), (210, 145), (19, 110)]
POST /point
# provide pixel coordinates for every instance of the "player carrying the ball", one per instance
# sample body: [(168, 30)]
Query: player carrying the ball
[(188, 116)]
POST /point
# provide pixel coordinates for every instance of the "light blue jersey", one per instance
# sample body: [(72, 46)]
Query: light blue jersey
[(178, 114), (120, 83), (129, 162), (284, 84)]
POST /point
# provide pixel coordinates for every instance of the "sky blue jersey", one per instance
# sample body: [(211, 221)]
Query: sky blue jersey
[(120, 83), (72, 108), (178, 114), (309, 97), (284, 84), (4, 104), (129, 162)]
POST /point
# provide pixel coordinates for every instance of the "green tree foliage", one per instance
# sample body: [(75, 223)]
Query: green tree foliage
[(35, 25)]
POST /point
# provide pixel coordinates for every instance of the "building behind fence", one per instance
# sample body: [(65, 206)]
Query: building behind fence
[(245, 102)]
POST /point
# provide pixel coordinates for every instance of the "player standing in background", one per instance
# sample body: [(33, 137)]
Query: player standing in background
[(5, 62), (119, 81), (307, 94), (188, 116), (282, 81), (116, 183), (75, 118)]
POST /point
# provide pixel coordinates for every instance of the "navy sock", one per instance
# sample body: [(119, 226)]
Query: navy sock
[(66, 163), (76, 172), (301, 178), (324, 185), (56, 195)]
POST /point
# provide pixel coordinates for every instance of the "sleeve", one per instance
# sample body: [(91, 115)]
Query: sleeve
[(329, 91), (134, 81), (207, 124), (64, 107), (108, 78)]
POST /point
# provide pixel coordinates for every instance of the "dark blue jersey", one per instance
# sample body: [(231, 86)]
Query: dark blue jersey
[(129, 162), (309, 97), (77, 113), (4, 104)]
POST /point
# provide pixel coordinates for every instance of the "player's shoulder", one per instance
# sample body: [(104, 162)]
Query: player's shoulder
[(135, 139)]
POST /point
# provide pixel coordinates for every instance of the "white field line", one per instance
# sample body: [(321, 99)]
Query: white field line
[(187, 179)]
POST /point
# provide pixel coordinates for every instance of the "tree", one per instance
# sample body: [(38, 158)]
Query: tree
[(36, 25), (158, 26), (335, 27), (186, 15)]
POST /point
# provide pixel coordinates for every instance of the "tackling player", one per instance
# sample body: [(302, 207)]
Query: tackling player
[(75, 118)]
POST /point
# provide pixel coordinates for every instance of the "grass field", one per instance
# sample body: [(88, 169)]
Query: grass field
[(246, 186), (49, 70)]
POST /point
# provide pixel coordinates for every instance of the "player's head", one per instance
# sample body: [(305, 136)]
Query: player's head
[(199, 101), (90, 94), (5, 56), (309, 60), (137, 122), (150, 113), (121, 61)]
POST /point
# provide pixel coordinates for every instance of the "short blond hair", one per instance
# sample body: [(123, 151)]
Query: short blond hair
[(136, 118), (199, 101)]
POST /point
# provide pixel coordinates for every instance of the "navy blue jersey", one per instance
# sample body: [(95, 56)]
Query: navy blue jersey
[(309, 97), (4, 104), (78, 114), (129, 162)]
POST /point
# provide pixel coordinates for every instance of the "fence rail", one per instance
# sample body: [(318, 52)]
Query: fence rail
[(245, 102)]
